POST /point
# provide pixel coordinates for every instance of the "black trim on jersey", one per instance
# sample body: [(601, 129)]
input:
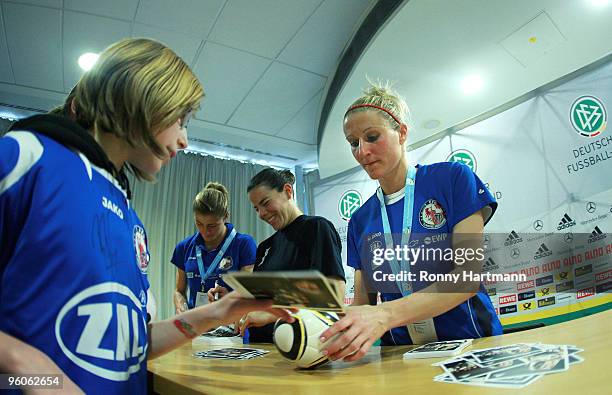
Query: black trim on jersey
[(483, 316), (70, 134)]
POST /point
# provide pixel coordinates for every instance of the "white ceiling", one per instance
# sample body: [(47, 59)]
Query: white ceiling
[(264, 63), (430, 45)]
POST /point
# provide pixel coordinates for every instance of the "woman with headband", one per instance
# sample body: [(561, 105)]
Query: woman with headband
[(443, 199)]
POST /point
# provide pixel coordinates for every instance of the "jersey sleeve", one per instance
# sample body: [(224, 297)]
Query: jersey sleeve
[(19, 153), (248, 251), (326, 251), (352, 252), (469, 195), (178, 257)]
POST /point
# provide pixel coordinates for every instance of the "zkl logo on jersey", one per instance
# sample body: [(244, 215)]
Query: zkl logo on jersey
[(588, 116), (140, 245), (103, 330), (432, 215)]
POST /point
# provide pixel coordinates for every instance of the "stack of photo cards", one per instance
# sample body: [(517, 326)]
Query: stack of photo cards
[(438, 349), (511, 366), (231, 353), (307, 288), (223, 335)]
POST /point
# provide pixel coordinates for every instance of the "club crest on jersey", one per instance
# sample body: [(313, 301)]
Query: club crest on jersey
[(226, 263), (140, 246), (432, 215)]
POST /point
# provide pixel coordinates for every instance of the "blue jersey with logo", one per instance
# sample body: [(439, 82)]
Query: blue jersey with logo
[(241, 252), (73, 264), (445, 194)]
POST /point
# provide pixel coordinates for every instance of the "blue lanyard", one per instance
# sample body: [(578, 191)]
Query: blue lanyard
[(214, 263), (406, 223)]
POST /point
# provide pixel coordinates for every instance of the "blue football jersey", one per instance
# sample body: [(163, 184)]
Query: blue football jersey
[(241, 252), (73, 264), (444, 195)]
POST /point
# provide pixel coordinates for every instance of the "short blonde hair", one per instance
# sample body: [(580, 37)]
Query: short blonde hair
[(137, 88), (380, 94), (212, 199)]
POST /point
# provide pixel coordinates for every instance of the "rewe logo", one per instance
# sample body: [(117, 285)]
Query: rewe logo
[(588, 116), (596, 235), (113, 337), (566, 222), (513, 238), (349, 202), (542, 252)]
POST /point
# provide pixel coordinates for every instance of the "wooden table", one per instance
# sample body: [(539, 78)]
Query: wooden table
[(383, 371)]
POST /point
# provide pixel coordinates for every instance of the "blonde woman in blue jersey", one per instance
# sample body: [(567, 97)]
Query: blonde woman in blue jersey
[(74, 256), (428, 201)]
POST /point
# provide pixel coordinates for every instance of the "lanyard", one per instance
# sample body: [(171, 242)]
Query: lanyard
[(214, 263), (406, 223)]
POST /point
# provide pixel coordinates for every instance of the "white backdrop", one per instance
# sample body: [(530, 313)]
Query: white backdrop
[(525, 154)]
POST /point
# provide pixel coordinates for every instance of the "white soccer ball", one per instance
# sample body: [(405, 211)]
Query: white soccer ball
[(299, 341)]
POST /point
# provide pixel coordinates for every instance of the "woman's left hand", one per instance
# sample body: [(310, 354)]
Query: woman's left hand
[(356, 332)]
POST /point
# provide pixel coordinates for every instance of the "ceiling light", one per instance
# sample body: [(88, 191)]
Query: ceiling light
[(471, 84), (87, 60), (431, 124)]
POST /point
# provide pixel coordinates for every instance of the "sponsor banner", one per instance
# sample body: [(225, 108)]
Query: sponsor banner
[(585, 293), (526, 295), (507, 309), (546, 302), (507, 299)]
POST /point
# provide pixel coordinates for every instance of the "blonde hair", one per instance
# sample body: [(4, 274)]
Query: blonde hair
[(381, 94), (212, 199), (137, 88)]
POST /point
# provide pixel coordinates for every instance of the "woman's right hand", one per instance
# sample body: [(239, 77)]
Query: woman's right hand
[(254, 318)]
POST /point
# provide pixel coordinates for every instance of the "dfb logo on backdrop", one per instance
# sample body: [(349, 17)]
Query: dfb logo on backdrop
[(588, 116), (464, 156), (349, 202)]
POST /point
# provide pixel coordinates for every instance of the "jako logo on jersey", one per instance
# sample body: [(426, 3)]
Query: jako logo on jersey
[(103, 331), (140, 246), (432, 215), (106, 203), (588, 116)]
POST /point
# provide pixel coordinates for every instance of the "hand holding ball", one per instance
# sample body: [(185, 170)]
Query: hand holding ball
[(299, 341)]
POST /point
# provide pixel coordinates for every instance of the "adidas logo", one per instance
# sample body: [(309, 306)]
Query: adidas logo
[(566, 222), (490, 265), (513, 238), (542, 252), (596, 235)]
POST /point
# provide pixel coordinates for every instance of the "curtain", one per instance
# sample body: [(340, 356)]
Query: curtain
[(165, 208)]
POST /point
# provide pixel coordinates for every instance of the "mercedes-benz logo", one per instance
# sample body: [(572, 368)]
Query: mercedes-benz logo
[(515, 253), (590, 207), (538, 225), (569, 237)]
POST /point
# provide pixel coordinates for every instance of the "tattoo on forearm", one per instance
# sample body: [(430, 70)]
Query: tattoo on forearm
[(185, 329)]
